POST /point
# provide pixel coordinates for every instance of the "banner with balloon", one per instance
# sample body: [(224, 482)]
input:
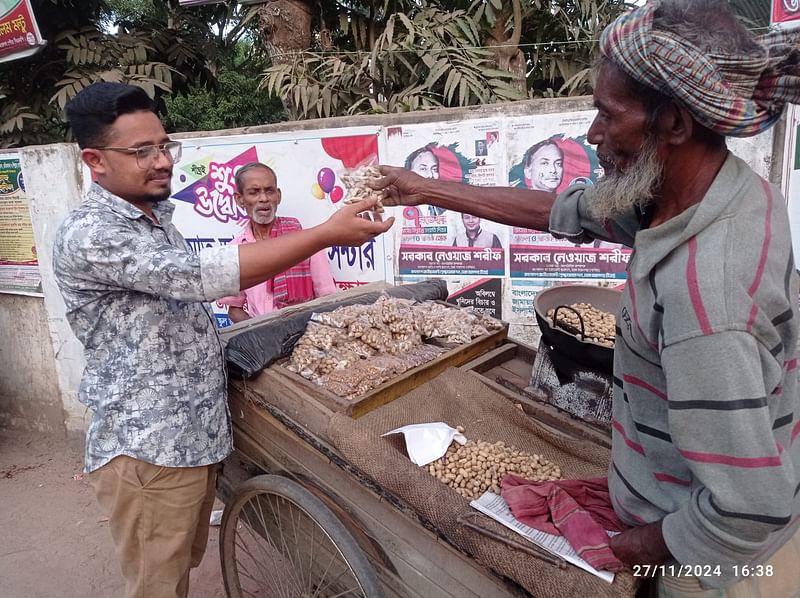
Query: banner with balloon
[(309, 166)]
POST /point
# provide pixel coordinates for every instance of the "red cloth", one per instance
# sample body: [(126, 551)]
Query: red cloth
[(579, 510), (449, 164), (295, 285)]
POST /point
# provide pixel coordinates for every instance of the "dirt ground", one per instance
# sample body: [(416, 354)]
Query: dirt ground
[(55, 541)]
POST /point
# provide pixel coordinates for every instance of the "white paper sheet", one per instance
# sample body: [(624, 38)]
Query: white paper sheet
[(427, 442), (495, 507)]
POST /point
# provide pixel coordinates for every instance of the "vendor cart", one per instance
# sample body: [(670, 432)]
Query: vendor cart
[(318, 504)]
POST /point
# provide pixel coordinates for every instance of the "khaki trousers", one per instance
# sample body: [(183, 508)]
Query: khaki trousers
[(783, 583), (159, 522)]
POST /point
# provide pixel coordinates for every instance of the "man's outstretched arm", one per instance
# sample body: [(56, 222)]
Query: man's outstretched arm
[(506, 205)]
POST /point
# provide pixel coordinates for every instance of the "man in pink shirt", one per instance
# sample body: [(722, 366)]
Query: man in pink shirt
[(258, 194)]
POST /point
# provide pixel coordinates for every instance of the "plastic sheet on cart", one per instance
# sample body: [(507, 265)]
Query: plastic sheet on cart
[(257, 347)]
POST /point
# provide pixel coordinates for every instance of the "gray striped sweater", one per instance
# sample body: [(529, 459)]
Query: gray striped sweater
[(706, 412)]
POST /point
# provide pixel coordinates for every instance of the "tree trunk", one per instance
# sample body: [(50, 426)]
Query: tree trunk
[(506, 50), (285, 27)]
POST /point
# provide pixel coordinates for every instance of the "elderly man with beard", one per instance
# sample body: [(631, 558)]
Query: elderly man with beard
[(137, 298), (257, 192), (705, 459)]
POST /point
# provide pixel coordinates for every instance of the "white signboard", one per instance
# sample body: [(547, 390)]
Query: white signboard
[(309, 166)]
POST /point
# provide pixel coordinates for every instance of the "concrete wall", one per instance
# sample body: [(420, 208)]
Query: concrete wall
[(41, 361), (29, 393), (54, 187)]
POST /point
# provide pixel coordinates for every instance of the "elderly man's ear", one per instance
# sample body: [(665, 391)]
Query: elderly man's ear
[(675, 124)]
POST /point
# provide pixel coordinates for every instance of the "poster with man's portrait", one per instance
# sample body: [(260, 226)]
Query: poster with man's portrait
[(551, 153), (437, 242)]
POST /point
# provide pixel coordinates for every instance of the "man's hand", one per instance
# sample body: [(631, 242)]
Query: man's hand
[(507, 205), (643, 545), (401, 187), (237, 314), (264, 259), (352, 226)]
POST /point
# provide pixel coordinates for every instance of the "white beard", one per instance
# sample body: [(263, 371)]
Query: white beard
[(619, 191), (263, 220)]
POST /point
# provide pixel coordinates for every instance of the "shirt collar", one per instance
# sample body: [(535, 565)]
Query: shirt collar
[(247, 228), (162, 209), (249, 237)]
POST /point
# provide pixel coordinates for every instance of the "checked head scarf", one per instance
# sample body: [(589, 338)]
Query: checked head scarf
[(734, 95)]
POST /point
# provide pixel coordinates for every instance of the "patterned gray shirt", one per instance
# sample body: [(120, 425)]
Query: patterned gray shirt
[(155, 375)]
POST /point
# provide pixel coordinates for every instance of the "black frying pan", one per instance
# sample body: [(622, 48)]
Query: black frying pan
[(585, 352)]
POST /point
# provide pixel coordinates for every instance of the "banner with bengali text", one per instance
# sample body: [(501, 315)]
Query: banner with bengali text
[(19, 32), (309, 167)]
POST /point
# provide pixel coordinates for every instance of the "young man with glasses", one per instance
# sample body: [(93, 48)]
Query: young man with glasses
[(137, 298)]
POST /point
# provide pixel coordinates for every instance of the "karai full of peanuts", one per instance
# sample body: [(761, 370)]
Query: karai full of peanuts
[(598, 326), (478, 466)]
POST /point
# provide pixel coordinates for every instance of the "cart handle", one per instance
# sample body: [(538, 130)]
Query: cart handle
[(528, 548)]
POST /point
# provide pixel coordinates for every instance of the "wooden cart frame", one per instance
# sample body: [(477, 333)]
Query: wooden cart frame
[(278, 434)]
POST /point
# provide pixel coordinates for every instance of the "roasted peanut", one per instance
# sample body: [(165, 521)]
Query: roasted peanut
[(476, 467)]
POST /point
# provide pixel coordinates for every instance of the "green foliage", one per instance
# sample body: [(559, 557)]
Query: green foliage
[(129, 10), (156, 45), (236, 102), (560, 41), (427, 59), (208, 68), (401, 55), (94, 56)]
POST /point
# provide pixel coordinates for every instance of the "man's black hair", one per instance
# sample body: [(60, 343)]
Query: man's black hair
[(94, 109), (418, 152)]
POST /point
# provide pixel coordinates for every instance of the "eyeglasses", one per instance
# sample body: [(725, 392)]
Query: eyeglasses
[(147, 154)]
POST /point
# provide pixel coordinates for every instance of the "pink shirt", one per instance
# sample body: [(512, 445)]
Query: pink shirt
[(258, 300)]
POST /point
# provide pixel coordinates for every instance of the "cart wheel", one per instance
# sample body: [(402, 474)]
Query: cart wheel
[(281, 541)]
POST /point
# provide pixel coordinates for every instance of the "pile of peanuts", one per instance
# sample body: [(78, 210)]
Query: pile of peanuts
[(599, 326), (358, 189), (475, 467)]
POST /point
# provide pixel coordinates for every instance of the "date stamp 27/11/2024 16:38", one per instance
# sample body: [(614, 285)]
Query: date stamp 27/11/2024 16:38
[(678, 570)]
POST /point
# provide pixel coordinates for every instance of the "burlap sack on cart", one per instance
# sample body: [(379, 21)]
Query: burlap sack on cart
[(458, 398)]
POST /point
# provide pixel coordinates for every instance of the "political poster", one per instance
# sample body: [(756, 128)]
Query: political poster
[(437, 242), (484, 295), (19, 265), (550, 152)]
